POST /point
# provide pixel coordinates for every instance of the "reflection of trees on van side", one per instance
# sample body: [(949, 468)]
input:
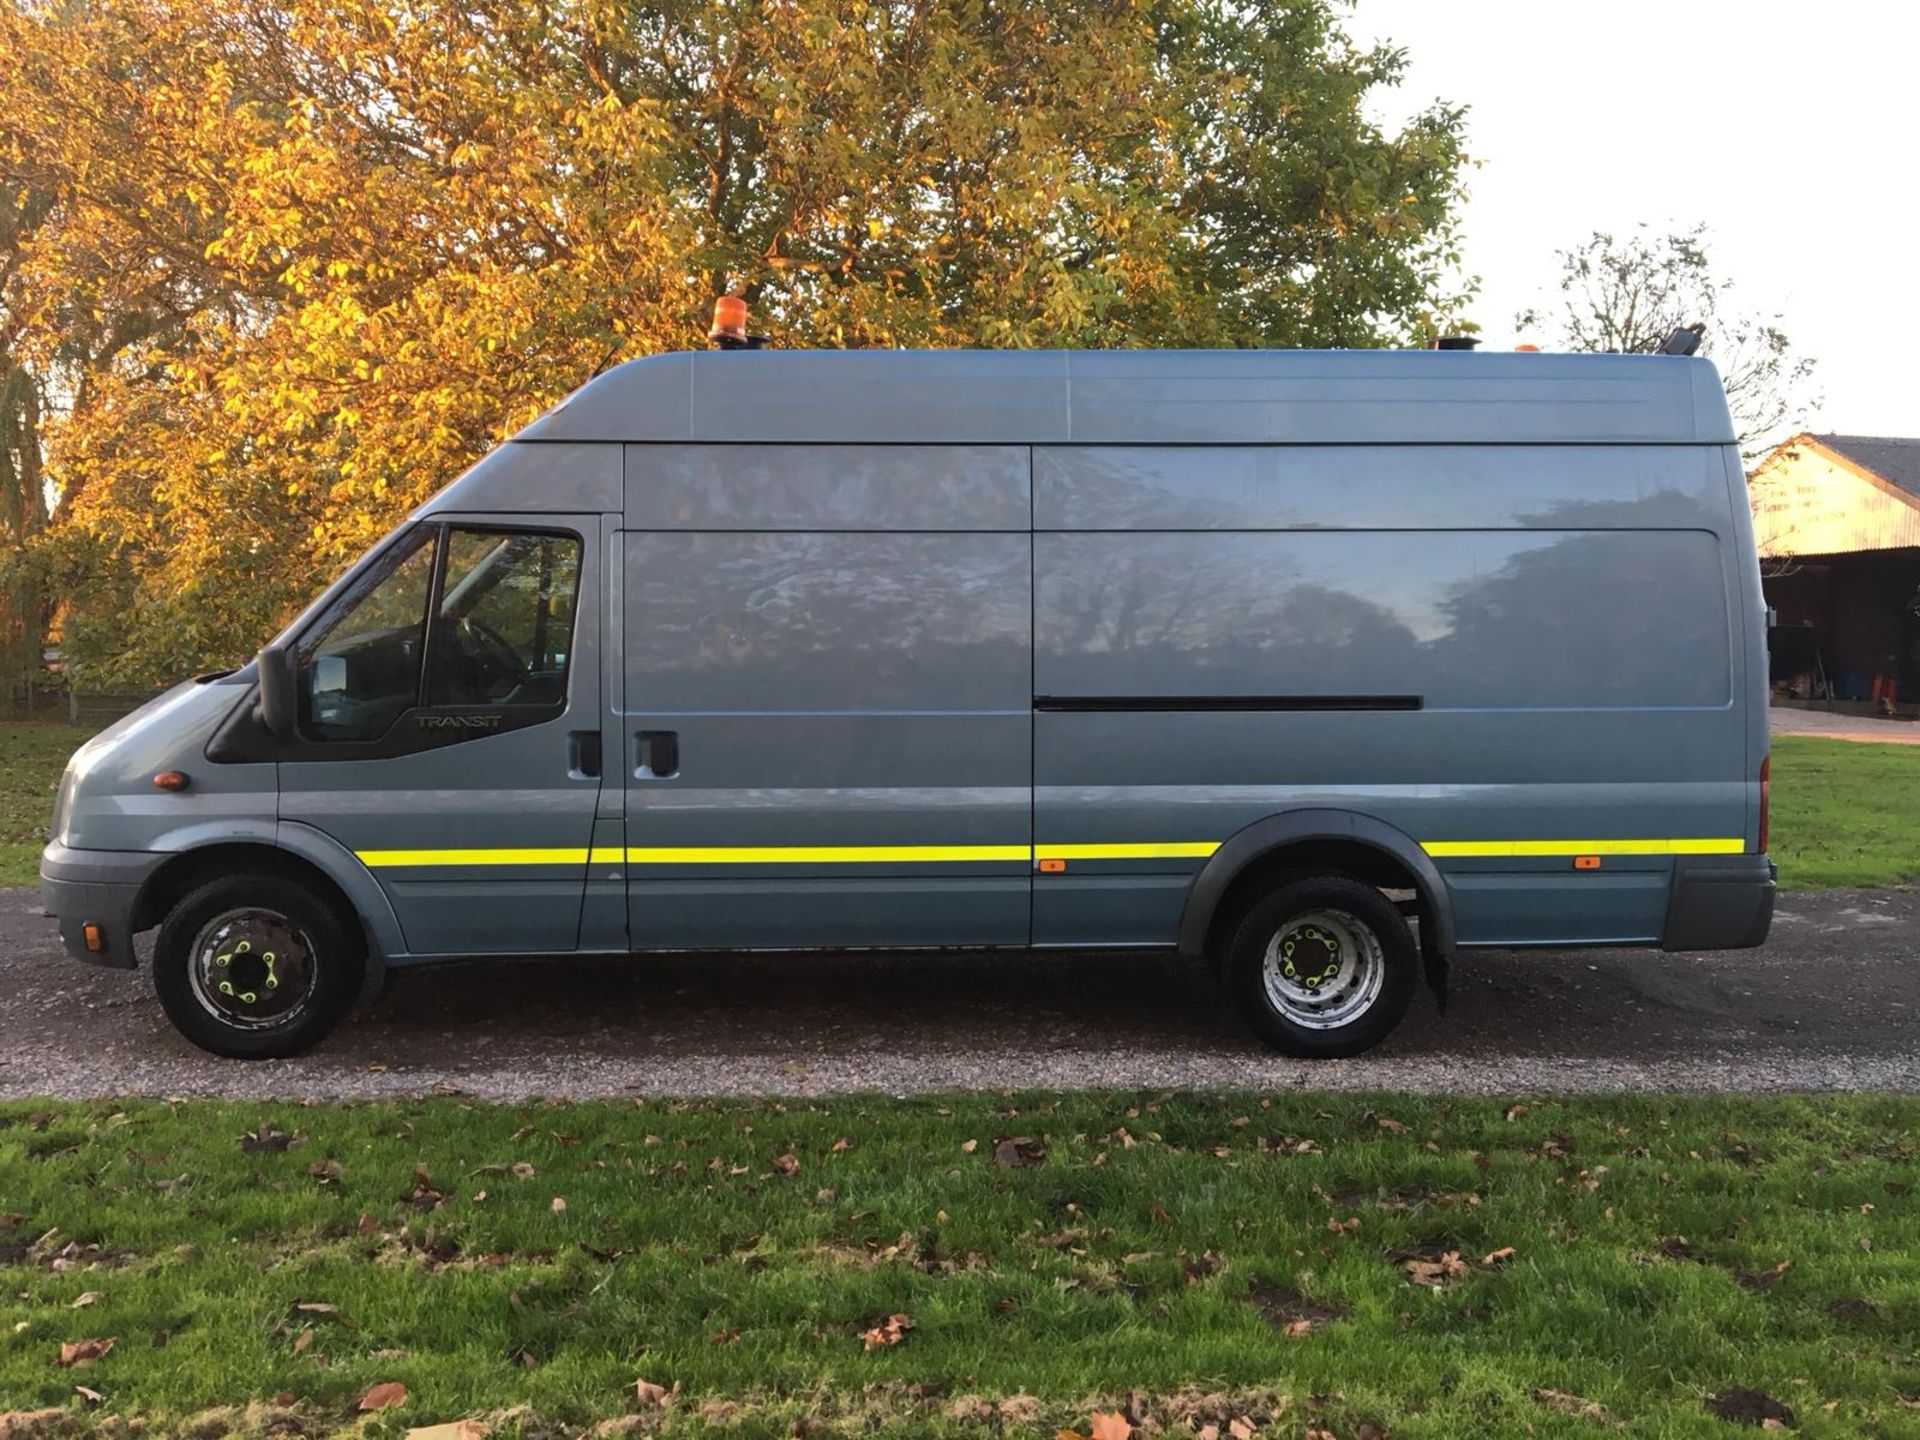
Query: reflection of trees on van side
[(829, 622), (1589, 620), (1485, 618), (1194, 616)]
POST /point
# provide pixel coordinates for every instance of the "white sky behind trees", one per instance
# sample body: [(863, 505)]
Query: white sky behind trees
[(1793, 130)]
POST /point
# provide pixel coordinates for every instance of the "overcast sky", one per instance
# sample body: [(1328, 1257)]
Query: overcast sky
[(1791, 129)]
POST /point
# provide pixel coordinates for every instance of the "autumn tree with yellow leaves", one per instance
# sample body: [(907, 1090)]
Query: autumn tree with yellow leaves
[(272, 273)]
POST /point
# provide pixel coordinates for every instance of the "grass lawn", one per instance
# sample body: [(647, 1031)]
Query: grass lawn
[(1844, 813), (32, 755), (1305, 1264)]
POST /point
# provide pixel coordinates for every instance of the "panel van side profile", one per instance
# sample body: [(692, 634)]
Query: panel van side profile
[(1325, 666)]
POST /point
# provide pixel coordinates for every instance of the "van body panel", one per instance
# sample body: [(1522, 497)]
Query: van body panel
[(481, 846), (1455, 619), (1749, 607), (931, 397), (828, 487), (356, 882), (107, 799), (1378, 487), (521, 479), (851, 737)]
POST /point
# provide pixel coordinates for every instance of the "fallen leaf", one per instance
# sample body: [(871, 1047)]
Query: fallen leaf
[(1297, 1329), (366, 1225), (83, 1352), (1391, 1125), (1110, 1426), (383, 1396), (92, 1297), (521, 1170), (1499, 1257), (1240, 1428), (650, 1395), (967, 1147), (843, 1143), (320, 1310), (423, 1196), (1013, 1152), (452, 1430), (265, 1139), (559, 1206), (284, 1399), (88, 1394), (787, 1165), (1569, 1404), (1761, 1280), (1514, 1112), (325, 1171), (890, 1331), (1434, 1273)]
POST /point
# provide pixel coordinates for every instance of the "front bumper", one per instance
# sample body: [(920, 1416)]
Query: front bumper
[(1719, 902), (99, 888)]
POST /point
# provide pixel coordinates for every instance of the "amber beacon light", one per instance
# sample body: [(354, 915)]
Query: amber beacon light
[(729, 331)]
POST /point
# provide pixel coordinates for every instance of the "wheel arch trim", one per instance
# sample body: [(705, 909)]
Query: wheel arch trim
[(1293, 827), (332, 859)]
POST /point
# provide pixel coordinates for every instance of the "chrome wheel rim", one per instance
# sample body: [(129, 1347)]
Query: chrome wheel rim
[(253, 969), (1323, 969)]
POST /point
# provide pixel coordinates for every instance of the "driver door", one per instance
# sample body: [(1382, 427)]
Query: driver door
[(449, 729)]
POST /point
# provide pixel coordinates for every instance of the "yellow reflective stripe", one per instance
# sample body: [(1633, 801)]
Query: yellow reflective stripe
[(1518, 849), (820, 854), (385, 859), (949, 854), (1174, 850)]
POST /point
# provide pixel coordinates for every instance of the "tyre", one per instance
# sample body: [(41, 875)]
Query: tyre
[(256, 966), (1322, 967)]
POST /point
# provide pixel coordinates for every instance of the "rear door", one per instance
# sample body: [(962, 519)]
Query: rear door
[(450, 729), (827, 722)]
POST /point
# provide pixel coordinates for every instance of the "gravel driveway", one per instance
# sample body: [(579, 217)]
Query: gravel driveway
[(1833, 1002)]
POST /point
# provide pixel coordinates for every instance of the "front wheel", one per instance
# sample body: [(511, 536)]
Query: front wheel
[(256, 967), (1321, 968)]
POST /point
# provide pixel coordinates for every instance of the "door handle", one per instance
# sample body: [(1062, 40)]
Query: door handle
[(583, 753), (659, 754)]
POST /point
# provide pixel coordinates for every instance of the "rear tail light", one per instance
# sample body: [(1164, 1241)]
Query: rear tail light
[(1766, 799)]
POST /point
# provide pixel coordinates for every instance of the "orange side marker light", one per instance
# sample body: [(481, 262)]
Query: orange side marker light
[(95, 941), (1052, 867), (1586, 862), (170, 780)]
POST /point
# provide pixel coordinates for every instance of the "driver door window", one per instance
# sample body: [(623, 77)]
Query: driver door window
[(486, 616), (505, 619)]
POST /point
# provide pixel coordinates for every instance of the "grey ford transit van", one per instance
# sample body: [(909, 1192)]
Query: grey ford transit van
[(1325, 666)]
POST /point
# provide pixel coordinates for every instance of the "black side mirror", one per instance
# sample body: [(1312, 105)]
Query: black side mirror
[(278, 707)]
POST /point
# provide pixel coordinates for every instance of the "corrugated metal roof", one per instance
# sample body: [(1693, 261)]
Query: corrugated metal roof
[(1138, 396), (1894, 459)]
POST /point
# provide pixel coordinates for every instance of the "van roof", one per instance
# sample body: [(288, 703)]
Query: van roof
[(1196, 397)]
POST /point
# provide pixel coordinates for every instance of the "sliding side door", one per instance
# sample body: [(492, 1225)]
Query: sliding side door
[(827, 719)]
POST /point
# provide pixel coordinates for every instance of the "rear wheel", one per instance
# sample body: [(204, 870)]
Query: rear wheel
[(255, 966), (1324, 966)]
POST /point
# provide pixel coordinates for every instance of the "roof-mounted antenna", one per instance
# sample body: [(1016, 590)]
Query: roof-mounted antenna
[(729, 330), (1684, 340)]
